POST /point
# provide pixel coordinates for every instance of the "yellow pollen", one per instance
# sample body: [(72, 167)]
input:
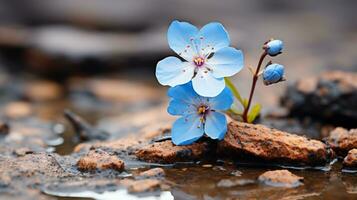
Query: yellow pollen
[(198, 61)]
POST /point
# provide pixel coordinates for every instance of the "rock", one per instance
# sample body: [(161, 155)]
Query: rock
[(99, 160), (83, 129), (153, 173), (266, 144), (4, 128), (341, 140), (138, 186), (280, 178), (167, 152), (333, 94), (18, 109), (226, 183), (350, 160), (23, 151), (43, 90)]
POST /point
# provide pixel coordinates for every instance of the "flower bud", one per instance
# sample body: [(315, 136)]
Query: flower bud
[(273, 47), (273, 73)]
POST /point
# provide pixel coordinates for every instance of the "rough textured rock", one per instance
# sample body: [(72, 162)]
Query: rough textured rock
[(137, 186), (167, 152), (99, 160), (350, 160), (342, 140), (280, 178), (257, 141), (331, 96), (153, 173)]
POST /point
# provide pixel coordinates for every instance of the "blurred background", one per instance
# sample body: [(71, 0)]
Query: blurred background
[(102, 54)]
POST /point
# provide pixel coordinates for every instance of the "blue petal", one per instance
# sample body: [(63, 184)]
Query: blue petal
[(186, 130), (184, 93), (180, 36), (226, 62), (216, 125), (206, 85), (223, 101), (172, 71), (178, 107), (213, 37)]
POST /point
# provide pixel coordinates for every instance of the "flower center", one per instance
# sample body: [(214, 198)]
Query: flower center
[(199, 61), (203, 111)]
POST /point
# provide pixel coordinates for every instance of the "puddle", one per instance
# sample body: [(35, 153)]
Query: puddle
[(110, 195)]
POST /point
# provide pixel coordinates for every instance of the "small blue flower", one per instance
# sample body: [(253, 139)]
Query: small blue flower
[(200, 115), (207, 58), (273, 73), (274, 47)]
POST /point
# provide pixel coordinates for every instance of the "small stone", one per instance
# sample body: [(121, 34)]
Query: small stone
[(207, 166), (280, 178), (43, 90), (18, 109), (342, 140), (226, 183), (167, 152), (236, 173), (23, 151), (350, 160), (4, 128), (138, 186), (153, 173), (101, 160)]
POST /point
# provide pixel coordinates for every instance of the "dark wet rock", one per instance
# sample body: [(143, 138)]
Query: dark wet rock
[(226, 183), (139, 186), (342, 140), (18, 109), (83, 129), (280, 178), (257, 141), (153, 173), (350, 160), (331, 96), (167, 152), (99, 160), (4, 128)]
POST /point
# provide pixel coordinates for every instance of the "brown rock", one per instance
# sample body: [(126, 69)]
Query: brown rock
[(350, 160), (167, 152), (43, 91), (137, 186), (18, 109), (153, 173), (280, 178), (341, 140), (98, 159), (273, 145), (4, 128)]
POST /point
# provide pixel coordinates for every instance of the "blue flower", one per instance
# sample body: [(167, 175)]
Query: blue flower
[(273, 73), (274, 47), (200, 115), (207, 58)]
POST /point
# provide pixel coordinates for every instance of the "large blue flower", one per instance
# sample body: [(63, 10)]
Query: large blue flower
[(200, 115), (207, 58)]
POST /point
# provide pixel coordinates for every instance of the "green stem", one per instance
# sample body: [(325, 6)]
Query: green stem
[(255, 79), (234, 90)]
